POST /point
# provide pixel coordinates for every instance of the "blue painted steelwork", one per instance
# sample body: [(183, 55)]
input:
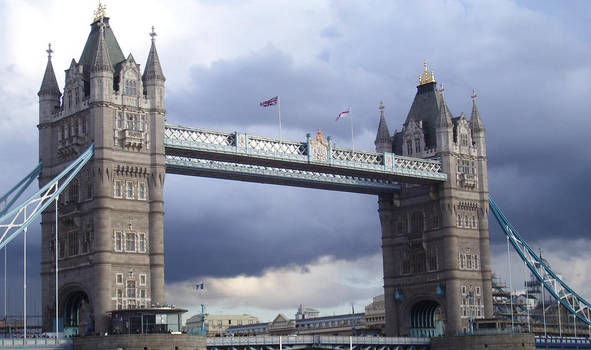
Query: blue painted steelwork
[(21, 186), (572, 301), (315, 155), (562, 343), (292, 177), (19, 218)]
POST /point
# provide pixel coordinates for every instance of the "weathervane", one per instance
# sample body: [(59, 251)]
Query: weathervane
[(474, 94), (49, 50), (101, 12), (153, 34)]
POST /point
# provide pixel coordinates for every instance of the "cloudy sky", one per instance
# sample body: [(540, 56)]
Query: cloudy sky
[(264, 249)]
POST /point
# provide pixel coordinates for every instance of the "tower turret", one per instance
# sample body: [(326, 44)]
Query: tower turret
[(153, 77), (383, 140), (49, 93), (444, 125), (478, 130), (101, 70)]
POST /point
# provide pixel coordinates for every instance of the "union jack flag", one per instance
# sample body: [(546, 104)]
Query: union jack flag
[(269, 102), (342, 114)]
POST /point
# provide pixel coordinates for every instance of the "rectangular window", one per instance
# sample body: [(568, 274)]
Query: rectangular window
[(62, 250), (418, 145), (118, 241), (142, 293), (73, 244), (85, 243), (129, 192), (463, 288), (89, 190), (478, 291), (142, 279), (130, 289), (476, 264), (119, 120), (119, 279), (462, 261), (141, 191), (469, 262), (118, 189), (130, 242), (141, 243), (409, 147)]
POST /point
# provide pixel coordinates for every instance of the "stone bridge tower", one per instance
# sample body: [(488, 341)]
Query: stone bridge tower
[(435, 238), (110, 242)]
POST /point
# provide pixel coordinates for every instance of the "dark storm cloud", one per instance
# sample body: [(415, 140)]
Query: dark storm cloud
[(531, 69), (223, 228)]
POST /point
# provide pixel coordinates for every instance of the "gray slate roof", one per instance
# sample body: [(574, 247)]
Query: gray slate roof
[(90, 48)]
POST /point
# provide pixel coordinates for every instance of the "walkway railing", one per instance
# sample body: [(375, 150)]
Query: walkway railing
[(315, 154)]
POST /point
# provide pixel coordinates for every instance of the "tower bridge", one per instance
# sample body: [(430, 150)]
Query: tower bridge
[(105, 148)]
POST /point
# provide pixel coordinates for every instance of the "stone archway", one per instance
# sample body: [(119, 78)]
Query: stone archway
[(427, 319), (77, 314)]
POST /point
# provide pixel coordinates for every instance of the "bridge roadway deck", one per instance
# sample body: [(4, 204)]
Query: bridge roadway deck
[(317, 164), (316, 342)]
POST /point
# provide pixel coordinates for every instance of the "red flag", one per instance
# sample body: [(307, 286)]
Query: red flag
[(342, 114), (269, 102)]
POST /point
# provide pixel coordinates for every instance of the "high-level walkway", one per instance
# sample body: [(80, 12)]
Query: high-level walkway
[(315, 163)]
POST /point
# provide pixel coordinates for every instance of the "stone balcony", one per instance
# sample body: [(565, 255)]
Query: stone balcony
[(72, 146), (132, 139)]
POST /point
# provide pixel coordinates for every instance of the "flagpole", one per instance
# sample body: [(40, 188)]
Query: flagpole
[(279, 108)]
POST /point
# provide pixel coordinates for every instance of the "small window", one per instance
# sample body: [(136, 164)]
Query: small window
[(141, 243), (142, 293), (130, 289), (118, 241), (73, 243), (418, 145), (463, 288), (142, 279), (130, 242), (130, 87), (409, 147), (118, 191), (129, 192), (119, 280), (141, 191), (120, 292)]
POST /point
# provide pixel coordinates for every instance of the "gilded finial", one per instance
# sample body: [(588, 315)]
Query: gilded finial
[(49, 51), (474, 94), (153, 34), (319, 136), (100, 12), (426, 77)]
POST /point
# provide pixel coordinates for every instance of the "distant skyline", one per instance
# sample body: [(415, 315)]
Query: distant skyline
[(264, 249)]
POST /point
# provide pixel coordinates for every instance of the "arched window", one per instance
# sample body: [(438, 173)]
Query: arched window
[(417, 224)]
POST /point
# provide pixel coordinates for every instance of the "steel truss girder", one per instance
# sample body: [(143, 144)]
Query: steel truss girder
[(18, 219), (561, 292), (317, 342), (21, 186), (306, 156), (279, 176)]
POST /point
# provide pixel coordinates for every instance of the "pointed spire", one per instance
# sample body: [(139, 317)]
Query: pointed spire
[(475, 119), (101, 62), (153, 69), (444, 118), (383, 134), (49, 85)]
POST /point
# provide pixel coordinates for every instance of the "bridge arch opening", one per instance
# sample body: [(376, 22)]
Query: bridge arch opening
[(77, 313), (427, 319)]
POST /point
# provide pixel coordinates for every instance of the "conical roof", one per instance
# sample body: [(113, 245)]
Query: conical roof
[(111, 46), (444, 119), (475, 119), (49, 84), (383, 134), (101, 62), (153, 69)]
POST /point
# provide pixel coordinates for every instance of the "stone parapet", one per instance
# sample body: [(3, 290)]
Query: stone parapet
[(141, 342)]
